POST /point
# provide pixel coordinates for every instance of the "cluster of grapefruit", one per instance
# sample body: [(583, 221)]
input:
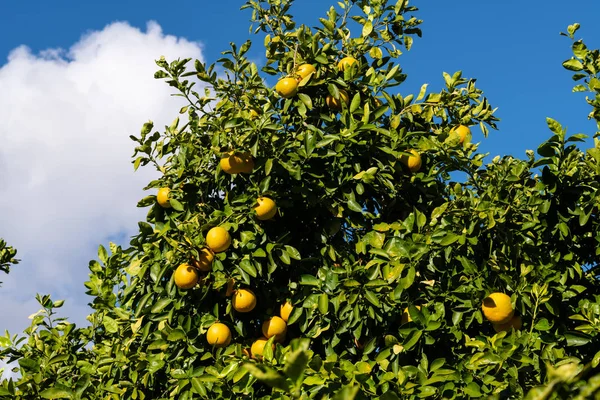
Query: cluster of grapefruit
[(288, 87), (217, 240)]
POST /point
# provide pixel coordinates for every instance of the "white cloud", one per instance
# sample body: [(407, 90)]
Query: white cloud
[(65, 157)]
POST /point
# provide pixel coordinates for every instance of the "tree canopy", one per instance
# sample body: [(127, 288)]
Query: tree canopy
[(309, 237)]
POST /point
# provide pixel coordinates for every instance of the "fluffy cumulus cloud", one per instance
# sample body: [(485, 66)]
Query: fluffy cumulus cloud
[(65, 157)]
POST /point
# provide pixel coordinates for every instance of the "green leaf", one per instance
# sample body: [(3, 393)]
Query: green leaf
[(554, 126), (268, 166), (176, 205), (53, 393), (268, 376), (248, 267), (573, 65), (449, 239), (577, 339), (309, 280), (176, 335), (327, 139), (346, 393), (323, 303), (160, 305), (473, 390), (306, 100), (293, 252), (372, 298), (295, 365), (367, 29), (110, 324), (354, 206)]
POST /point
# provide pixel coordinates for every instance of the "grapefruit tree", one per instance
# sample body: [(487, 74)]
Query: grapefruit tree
[(308, 237)]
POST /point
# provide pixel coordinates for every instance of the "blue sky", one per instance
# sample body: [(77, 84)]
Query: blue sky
[(512, 47), (65, 154)]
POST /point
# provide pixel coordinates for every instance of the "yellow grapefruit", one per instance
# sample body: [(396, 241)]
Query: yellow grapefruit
[(162, 197), (413, 162), (336, 104), (204, 262), (346, 62), (265, 208), (186, 276), (218, 239), (286, 310), (497, 308), (275, 326), (218, 335), (244, 300), (287, 87)]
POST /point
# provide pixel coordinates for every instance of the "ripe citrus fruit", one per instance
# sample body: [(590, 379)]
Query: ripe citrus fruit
[(286, 310), (304, 70), (336, 104), (515, 322), (244, 300), (218, 239), (497, 308), (258, 347), (462, 131), (231, 163), (412, 162), (162, 197), (287, 87), (186, 276), (235, 163), (247, 163), (218, 335), (275, 326), (406, 316), (265, 208), (346, 62), (204, 262)]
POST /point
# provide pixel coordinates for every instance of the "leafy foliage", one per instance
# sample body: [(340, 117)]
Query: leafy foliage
[(358, 238), (7, 257)]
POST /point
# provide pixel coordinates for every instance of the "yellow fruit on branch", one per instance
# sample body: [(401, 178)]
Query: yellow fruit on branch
[(336, 104), (162, 197), (413, 162), (218, 335), (258, 347), (286, 310), (497, 308), (515, 322), (275, 326), (346, 62), (235, 163), (265, 208), (287, 87), (218, 239), (247, 163), (204, 262), (186, 276), (406, 316), (244, 300), (304, 70), (462, 131)]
